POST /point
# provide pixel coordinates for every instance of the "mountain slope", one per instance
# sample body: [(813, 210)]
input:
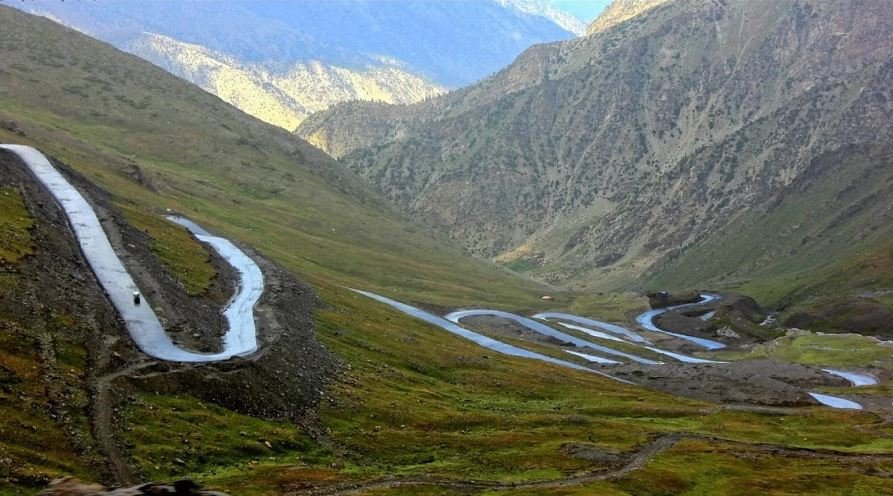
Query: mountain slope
[(619, 11), (156, 142), (265, 58), (605, 159), (282, 98), (410, 404)]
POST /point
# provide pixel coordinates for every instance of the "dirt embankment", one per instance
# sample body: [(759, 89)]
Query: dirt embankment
[(752, 382), (284, 380)]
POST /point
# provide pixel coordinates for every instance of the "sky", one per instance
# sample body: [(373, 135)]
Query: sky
[(585, 10)]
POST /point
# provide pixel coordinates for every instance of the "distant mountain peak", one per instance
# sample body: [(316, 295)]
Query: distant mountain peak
[(543, 8)]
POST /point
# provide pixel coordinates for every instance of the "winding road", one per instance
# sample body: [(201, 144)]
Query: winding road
[(451, 322), (142, 324), (646, 320), (240, 339), (546, 331), (612, 328), (486, 342)]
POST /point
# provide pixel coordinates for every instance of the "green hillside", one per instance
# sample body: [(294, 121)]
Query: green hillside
[(158, 142), (411, 410)]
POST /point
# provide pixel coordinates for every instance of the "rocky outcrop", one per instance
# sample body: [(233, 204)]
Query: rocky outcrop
[(69, 486), (620, 11)]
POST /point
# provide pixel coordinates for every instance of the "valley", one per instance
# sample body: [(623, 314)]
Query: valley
[(493, 291), (659, 151)]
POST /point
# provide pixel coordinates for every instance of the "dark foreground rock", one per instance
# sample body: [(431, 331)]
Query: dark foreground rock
[(69, 486)]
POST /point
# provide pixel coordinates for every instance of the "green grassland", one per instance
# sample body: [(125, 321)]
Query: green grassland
[(702, 467), (417, 401), (847, 350), (412, 399), (15, 240), (182, 255)]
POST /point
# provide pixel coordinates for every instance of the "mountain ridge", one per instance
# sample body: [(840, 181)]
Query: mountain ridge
[(265, 58), (286, 97), (567, 161)]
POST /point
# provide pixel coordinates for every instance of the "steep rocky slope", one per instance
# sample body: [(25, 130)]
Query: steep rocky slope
[(620, 11), (612, 157), (280, 61)]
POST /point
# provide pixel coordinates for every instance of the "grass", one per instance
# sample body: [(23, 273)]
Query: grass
[(831, 350), (416, 393), (36, 444), (179, 436), (176, 249), (415, 399), (15, 225), (695, 467)]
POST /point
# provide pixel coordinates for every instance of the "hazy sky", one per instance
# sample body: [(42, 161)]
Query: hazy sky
[(586, 10)]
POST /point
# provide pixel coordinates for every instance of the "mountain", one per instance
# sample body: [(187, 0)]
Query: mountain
[(619, 11), (544, 8), (161, 142), (282, 98), (660, 149), (345, 395), (281, 61)]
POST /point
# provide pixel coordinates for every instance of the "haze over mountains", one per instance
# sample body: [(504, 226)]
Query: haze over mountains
[(661, 147), (281, 61)]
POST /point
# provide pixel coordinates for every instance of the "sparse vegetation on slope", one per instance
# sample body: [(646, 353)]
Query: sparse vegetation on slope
[(661, 152), (281, 97), (183, 256), (15, 223), (158, 142)]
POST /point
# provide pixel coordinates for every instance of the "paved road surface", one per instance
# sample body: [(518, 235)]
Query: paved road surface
[(547, 331), (482, 340), (140, 320), (646, 320)]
